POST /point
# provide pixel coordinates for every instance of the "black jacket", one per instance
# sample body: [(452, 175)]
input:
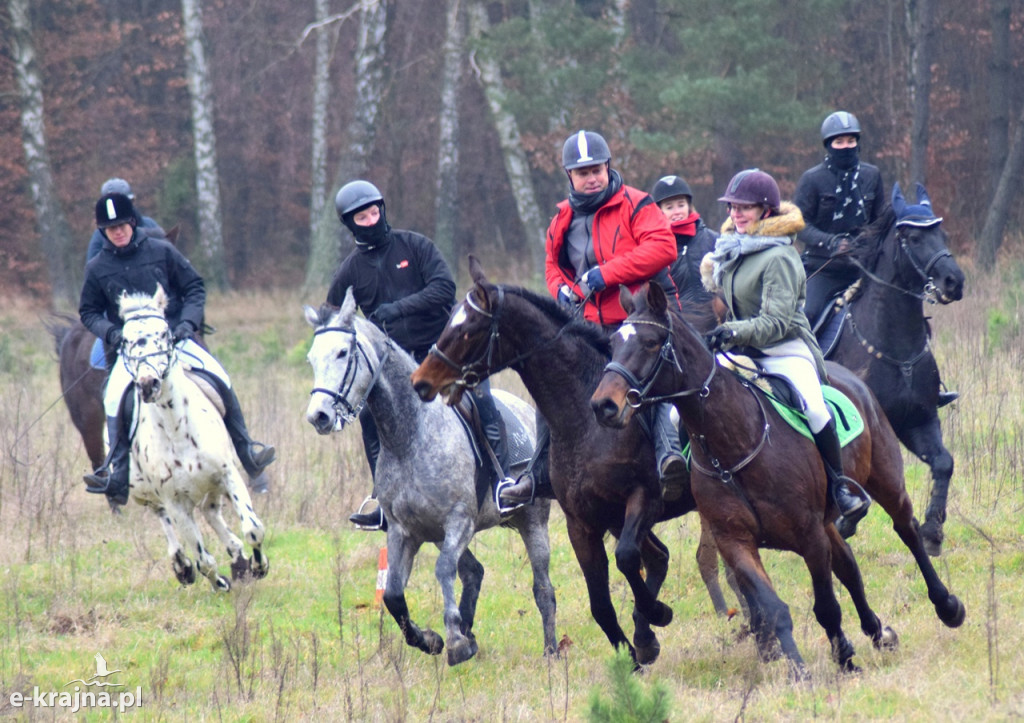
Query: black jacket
[(408, 270), (816, 198), (685, 271), (140, 266)]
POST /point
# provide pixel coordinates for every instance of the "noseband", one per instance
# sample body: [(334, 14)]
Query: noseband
[(340, 398)]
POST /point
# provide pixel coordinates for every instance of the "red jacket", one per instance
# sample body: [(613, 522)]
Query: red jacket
[(632, 243)]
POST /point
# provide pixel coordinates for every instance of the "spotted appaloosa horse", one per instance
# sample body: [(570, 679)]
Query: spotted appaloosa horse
[(181, 454)]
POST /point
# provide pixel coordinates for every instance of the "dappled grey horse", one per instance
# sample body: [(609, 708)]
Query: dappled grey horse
[(427, 480)]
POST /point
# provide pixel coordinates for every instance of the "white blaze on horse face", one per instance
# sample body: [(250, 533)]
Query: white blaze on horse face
[(459, 317), (626, 331)]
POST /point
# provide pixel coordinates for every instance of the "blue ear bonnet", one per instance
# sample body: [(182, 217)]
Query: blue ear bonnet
[(919, 214)]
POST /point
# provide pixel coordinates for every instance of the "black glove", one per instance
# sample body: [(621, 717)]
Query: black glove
[(113, 338), (593, 279), (719, 337), (184, 330), (386, 313)]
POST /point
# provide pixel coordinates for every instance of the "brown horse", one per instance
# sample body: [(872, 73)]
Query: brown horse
[(80, 382), (604, 479), (758, 492)]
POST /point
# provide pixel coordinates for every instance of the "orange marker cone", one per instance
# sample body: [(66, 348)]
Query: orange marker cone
[(382, 575)]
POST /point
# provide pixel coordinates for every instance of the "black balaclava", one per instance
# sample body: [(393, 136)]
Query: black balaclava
[(844, 158), (368, 237)]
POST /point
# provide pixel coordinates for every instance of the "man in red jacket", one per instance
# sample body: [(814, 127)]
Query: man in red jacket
[(606, 234)]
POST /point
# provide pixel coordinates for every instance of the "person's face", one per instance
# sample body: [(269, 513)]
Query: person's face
[(745, 215), (368, 216), (589, 179), (119, 235), (676, 208), (844, 142)]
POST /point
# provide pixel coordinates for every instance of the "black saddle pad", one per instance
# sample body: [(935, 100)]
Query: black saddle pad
[(520, 448)]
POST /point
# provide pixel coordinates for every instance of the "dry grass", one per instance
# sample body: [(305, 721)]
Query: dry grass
[(307, 642)]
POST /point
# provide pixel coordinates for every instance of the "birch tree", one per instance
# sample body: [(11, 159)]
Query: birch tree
[(920, 26), (211, 233), (54, 231), (447, 202)]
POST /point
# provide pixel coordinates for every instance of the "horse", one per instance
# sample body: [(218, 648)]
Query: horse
[(885, 339), (427, 480), (181, 454), (757, 481), (81, 382), (605, 480)]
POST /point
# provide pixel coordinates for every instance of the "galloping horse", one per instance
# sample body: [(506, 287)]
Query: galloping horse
[(885, 338), (427, 480), (757, 490), (604, 479), (181, 454)]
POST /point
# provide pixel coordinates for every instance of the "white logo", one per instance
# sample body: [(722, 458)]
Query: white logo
[(78, 699)]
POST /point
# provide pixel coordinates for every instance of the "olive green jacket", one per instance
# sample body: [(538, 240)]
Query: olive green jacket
[(765, 291)]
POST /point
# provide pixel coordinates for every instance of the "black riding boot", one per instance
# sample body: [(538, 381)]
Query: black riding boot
[(534, 483), (254, 456), (840, 487), (112, 478), (669, 453), (494, 433), (374, 519)]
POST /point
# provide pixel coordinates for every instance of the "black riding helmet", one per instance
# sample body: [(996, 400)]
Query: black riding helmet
[(114, 209), (839, 123), (670, 187), (352, 198)]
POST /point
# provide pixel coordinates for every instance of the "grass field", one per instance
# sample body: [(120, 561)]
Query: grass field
[(308, 642)]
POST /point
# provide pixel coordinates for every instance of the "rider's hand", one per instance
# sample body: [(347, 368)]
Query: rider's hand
[(184, 330), (593, 280), (386, 313), (838, 244), (566, 298), (113, 338), (720, 337)]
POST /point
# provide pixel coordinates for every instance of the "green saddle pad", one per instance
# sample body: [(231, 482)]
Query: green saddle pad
[(849, 423)]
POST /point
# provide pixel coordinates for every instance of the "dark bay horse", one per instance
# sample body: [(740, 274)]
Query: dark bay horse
[(605, 479), (80, 382), (427, 480), (758, 482), (885, 339)]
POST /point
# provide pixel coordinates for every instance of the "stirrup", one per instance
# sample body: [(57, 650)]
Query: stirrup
[(502, 485), (368, 527)]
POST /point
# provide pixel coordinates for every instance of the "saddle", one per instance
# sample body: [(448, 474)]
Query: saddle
[(519, 448), (829, 324)]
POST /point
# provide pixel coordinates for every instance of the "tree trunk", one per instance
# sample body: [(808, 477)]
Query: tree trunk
[(920, 25), (999, 92), (991, 237), (54, 231), (362, 129), (211, 234), (516, 165), (447, 201)]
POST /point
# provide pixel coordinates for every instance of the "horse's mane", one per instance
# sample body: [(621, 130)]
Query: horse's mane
[(867, 247), (138, 301), (590, 333)]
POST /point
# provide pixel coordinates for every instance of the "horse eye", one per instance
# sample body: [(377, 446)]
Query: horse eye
[(342, 353)]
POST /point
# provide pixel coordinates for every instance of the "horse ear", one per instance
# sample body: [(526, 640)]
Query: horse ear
[(657, 300), (922, 196), (476, 270), (626, 299), (312, 316), (160, 297), (898, 202), (348, 307)]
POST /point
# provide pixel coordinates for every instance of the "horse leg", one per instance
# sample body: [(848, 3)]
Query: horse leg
[(629, 559), (184, 570), (655, 559), (401, 553), (471, 574), (818, 553), (213, 512), (588, 545), (532, 524), (845, 567), (252, 526), (192, 539), (458, 532), (925, 441), (707, 564), (769, 615)]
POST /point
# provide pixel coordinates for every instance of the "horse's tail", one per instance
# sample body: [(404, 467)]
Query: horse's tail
[(59, 325)]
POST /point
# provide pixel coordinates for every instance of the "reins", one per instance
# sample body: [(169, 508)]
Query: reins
[(341, 404)]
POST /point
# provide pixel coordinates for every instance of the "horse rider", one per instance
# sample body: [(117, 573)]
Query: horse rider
[(119, 185), (402, 283), (132, 261), (604, 234), (762, 280), (693, 237), (838, 198)]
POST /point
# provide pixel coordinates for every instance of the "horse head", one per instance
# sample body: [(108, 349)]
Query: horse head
[(344, 359), (465, 351), (147, 347), (921, 255)]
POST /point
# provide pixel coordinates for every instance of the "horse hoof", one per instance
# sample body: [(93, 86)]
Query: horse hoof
[(221, 584), (849, 667), (240, 568), (887, 639), (461, 651), (184, 570), (647, 654), (433, 643), (954, 612), (662, 615)]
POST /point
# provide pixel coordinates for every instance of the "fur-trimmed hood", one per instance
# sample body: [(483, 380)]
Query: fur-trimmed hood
[(787, 222)]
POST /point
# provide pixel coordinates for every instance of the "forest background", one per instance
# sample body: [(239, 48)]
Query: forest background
[(239, 119)]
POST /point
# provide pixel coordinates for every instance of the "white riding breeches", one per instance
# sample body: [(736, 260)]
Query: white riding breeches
[(190, 354), (793, 360)]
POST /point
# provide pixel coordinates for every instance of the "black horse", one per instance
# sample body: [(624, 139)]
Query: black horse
[(885, 337)]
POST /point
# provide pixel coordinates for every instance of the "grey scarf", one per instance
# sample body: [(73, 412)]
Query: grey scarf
[(730, 248)]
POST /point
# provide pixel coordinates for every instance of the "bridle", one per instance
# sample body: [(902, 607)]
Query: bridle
[(134, 361), (341, 405), (637, 396), (929, 291)]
